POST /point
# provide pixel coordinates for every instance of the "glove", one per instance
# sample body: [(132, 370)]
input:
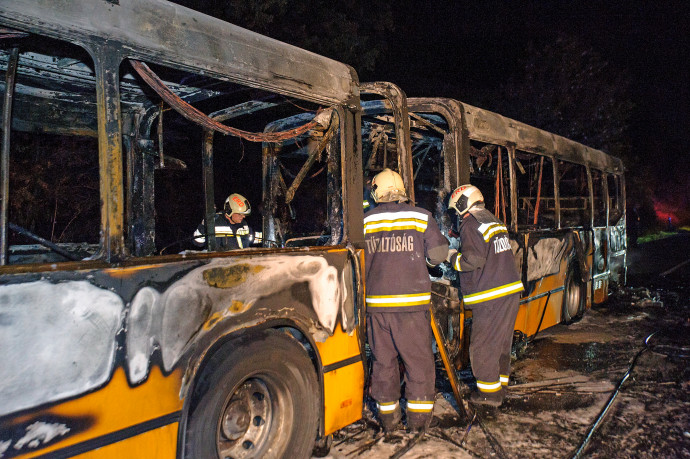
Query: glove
[(451, 252), (434, 271)]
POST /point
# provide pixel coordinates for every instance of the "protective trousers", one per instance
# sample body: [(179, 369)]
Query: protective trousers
[(408, 335), (491, 340)]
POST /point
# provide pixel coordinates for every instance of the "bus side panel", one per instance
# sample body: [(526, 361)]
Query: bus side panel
[(537, 314), (158, 443), (110, 345), (343, 388), (89, 422), (343, 377)]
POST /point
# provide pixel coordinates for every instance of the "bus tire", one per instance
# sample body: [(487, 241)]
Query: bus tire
[(256, 398), (574, 294)]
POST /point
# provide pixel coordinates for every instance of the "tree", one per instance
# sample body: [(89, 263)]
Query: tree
[(568, 89)]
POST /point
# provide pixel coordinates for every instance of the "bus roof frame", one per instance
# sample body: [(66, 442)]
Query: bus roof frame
[(486, 126), (168, 33)]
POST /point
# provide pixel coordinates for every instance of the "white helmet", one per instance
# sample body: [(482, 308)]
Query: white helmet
[(388, 186), (464, 197), (236, 204)]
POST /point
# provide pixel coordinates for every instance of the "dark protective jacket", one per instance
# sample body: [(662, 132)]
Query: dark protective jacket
[(485, 261), (399, 239), (229, 236)]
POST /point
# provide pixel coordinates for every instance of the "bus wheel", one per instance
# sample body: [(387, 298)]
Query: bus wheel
[(574, 294), (256, 398)]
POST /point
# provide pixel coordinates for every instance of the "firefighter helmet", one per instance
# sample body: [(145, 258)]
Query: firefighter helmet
[(388, 186), (236, 204), (464, 197)]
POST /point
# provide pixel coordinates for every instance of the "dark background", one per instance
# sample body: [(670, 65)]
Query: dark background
[(611, 74)]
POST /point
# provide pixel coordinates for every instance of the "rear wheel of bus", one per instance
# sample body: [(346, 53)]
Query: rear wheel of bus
[(256, 398), (574, 294)]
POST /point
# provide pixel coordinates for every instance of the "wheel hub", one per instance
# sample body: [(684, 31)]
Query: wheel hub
[(236, 419), (244, 425)]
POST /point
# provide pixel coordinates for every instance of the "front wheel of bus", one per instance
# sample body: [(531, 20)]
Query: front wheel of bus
[(574, 295), (256, 398)]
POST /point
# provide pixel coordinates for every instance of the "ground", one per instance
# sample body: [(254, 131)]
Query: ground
[(638, 342)]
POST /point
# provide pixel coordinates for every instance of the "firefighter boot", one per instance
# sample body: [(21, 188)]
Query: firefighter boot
[(390, 421), (487, 398)]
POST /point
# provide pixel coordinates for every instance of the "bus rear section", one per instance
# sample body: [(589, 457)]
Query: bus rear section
[(562, 202)]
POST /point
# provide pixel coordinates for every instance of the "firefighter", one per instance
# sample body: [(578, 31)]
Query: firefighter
[(232, 231), (400, 241), (491, 287)]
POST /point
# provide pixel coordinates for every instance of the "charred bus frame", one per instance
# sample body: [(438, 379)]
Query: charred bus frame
[(566, 266), (133, 342)]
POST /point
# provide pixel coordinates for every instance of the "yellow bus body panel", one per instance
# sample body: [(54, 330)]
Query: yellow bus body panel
[(343, 388), (118, 406), (530, 313), (157, 443)]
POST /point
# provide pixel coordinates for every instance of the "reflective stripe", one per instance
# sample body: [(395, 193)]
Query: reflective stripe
[(258, 237), (493, 293), (489, 386), (457, 262), (198, 237), (389, 221), (504, 380), (420, 406), (387, 407), (413, 299), (365, 204), (489, 230)]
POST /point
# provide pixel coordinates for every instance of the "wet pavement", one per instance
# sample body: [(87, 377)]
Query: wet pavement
[(568, 375)]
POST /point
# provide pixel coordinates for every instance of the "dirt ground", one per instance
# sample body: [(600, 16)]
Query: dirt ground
[(566, 378)]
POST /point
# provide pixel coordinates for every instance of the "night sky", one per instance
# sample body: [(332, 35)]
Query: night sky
[(480, 45), (468, 50)]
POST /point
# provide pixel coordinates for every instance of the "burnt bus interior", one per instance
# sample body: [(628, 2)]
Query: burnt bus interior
[(176, 170)]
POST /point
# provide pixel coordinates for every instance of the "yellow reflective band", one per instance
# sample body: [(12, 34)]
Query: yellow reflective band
[(457, 262), (504, 380), (389, 221), (489, 386), (420, 406), (493, 293), (387, 407), (490, 230), (365, 204), (388, 301), (392, 225)]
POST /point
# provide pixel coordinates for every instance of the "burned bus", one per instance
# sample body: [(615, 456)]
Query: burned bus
[(126, 124), (563, 204)]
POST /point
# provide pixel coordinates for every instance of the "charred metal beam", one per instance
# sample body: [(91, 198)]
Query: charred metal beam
[(44, 242), (209, 196), (398, 102), (196, 116), (107, 59), (513, 188), (456, 168), (10, 79), (316, 149)]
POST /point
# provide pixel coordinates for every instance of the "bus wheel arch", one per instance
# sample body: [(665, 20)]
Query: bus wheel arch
[(254, 398)]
